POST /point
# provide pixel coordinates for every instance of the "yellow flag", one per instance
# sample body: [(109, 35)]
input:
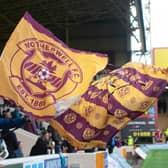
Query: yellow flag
[(110, 103), (37, 69)]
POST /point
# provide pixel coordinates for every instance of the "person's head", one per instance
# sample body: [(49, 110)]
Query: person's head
[(7, 114), (157, 129), (45, 136), (50, 130)]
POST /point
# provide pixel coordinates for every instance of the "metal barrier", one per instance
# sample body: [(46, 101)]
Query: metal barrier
[(72, 160)]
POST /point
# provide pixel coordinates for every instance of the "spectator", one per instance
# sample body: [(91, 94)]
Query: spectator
[(130, 140), (56, 138), (41, 146), (11, 139), (118, 142), (158, 136), (111, 144), (67, 147), (166, 134)]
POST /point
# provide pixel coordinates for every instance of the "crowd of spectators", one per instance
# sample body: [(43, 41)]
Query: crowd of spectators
[(49, 141), (11, 119)]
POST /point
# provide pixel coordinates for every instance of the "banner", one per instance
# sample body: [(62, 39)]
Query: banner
[(37, 69), (110, 103)]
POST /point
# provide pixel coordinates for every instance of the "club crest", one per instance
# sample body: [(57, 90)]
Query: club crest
[(41, 71)]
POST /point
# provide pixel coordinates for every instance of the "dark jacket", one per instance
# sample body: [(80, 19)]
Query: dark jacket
[(40, 148), (11, 142)]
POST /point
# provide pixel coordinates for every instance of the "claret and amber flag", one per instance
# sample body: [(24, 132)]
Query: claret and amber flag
[(37, 69), (110, 103)]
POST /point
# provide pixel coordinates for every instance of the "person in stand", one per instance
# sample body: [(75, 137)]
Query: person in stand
[(41, 146), (166, 134), (111, 144), (9, 123), (67, 147), (13, 145), (158, 135), (130, 140), (56, 138), (118, 142)]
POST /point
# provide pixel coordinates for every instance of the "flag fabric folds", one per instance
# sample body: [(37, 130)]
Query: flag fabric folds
[(37, 69), (110, 103)]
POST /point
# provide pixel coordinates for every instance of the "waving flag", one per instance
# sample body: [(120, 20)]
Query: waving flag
[(37, 69), (110, 103)]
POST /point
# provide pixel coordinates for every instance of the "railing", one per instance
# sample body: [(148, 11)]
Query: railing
[(72, 160)]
